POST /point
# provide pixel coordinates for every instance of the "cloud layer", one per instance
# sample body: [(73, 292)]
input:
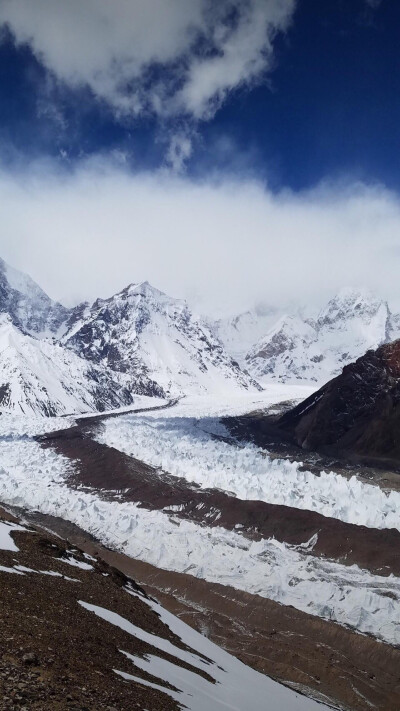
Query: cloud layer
[(222, 244), (165, 57)]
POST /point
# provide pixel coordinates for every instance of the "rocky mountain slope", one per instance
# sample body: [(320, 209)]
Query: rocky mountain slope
[(27, 305), (94, 357), (158, 341), (239, 333), (42, 377), (314, 350), (116, 648), (356, 414), (142, 342)]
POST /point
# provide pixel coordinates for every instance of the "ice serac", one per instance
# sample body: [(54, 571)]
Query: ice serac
[(357, 414), (42, 377), (27, 305), (315, 350), (157, 341)]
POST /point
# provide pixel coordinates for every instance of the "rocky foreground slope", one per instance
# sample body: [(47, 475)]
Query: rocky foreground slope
[(77, 634)]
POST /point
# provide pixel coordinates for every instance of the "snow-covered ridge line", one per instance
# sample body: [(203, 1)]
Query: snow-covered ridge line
[(295, 347), (37, 479), (186, 447), (94, 357)]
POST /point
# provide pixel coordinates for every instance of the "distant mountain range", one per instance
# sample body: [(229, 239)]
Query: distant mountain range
[(140, 341), (55, 360), (299, 348)]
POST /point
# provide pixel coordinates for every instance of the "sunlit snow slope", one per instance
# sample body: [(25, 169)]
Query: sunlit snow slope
[(298, 348), (42, 377), (158, 342), (96, 357)]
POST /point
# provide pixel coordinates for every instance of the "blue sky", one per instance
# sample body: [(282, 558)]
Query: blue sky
[(292, 100), (329, 107)]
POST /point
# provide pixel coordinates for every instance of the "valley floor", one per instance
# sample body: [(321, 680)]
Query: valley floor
[(294, 570)]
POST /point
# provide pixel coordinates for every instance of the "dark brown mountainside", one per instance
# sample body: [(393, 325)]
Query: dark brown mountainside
[(357, 414)]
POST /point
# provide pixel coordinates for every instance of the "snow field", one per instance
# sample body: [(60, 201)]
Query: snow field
[(6, 540), (35, 478), (185, 447), (237, 686), (13, 426), (239, 403)]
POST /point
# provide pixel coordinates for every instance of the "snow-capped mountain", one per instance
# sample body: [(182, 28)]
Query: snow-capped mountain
[(95, 357), (142, 342), (239, 333), (42, 377), (317, 349), (156, 340), (27, 305)]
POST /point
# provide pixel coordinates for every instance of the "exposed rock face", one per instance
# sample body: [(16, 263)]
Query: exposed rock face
[(357, 413), (95, 357), (157, 341), (42, 377), (29, 308), (298, 348), (239, 333), (284, 352)]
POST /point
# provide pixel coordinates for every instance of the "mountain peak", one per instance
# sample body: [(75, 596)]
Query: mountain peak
[(27, 305), (19, 281), (354, 293), (145, 289), (352, 322), (157, 342), (350, 303)]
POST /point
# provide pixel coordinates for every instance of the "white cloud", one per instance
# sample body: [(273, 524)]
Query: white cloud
[(202, 49), (225, 243), (179, 150)]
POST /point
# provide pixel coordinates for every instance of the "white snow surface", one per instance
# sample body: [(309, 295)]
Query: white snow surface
[(305, 349), (15, 426), (239, 333), (44, 378), (70, 560), (6, 540), (140, 402), (5, 569), (37, 479), (156, 339), (186, 447), (237, 403), (236, 687)]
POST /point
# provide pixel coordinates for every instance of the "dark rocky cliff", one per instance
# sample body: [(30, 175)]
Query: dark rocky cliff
[(356, 414)]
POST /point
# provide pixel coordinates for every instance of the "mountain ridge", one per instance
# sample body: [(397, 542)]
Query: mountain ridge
[(356, 414), (140, 341), (315, 350), (98, 356)]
